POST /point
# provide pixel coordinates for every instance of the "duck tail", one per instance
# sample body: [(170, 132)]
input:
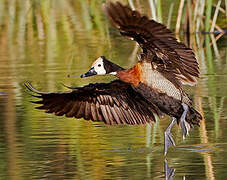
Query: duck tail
[(193, 117)]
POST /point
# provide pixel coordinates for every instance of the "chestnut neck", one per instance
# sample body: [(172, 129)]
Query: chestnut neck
[(131, 76)]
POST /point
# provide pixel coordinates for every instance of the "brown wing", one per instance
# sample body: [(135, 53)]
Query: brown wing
[(155, 39), (112, 103)]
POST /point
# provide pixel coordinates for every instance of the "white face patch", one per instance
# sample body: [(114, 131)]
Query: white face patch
[(99, 66)]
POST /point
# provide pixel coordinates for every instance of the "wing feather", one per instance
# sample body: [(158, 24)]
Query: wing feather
[(155, 40), (94, 112), (105, 115), (112, 103), (80, 112), (115, 114)]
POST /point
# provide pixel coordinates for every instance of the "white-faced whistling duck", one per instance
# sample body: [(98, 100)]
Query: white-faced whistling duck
[(152, 86)]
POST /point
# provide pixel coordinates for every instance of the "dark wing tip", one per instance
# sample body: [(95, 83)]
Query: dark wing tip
[(38, 93), (106, 7), (29, 86), (110, 13)]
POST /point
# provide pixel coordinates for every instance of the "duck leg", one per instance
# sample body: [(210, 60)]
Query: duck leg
[(183, 123), (168, 136)]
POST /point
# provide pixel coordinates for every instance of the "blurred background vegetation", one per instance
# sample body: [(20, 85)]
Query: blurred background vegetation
[(43, 41)]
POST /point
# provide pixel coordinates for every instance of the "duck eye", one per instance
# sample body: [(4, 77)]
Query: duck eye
[(99, 65)]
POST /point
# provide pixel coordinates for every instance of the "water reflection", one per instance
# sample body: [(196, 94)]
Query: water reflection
[(169, 172), (58, 39)]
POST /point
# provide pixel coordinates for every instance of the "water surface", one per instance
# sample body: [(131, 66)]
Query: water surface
[(47, 42)]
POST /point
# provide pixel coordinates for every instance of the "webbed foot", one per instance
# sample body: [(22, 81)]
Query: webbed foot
[(185, 126)]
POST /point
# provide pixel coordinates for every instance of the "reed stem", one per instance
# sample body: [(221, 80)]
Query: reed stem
[(208, 15), (170, 14), (131, 4), (226, 8), (180, 10), (153, 9), (159, 11), (200, 14), (215, 16)]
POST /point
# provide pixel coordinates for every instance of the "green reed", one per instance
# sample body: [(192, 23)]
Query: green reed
[(208, 15)]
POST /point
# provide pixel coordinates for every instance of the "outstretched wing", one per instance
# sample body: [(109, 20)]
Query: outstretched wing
[(111, 103), (156, 40)]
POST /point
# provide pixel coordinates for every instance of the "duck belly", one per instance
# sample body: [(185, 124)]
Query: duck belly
[(167, 104)]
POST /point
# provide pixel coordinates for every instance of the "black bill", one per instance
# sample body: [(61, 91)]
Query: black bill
[(91, 72)]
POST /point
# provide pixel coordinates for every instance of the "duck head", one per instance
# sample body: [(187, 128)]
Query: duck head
[(102, 66)]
